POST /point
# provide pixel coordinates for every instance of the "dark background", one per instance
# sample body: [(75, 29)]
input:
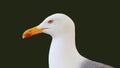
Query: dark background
[(96, 31)]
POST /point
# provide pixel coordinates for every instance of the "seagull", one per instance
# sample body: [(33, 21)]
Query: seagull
[(63, 52)]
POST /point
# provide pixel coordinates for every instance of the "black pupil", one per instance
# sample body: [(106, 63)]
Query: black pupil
[(50, 21)]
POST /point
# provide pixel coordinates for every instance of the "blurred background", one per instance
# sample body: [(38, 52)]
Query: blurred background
[(96, 31)]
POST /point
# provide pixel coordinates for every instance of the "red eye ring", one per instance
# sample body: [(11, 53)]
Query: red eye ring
[(50, 21)]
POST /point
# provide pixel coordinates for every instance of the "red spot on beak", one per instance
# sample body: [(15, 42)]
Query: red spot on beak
[(28, 35)]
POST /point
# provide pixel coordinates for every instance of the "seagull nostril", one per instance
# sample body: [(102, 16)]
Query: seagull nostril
[(29, 30)]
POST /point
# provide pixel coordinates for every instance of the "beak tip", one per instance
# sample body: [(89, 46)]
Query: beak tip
[(23, 37)]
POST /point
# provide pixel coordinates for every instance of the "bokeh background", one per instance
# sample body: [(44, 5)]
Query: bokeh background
[(96, 23)]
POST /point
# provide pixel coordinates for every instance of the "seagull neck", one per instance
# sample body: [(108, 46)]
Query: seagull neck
[(67, 39), (62, 51), (64, 42)]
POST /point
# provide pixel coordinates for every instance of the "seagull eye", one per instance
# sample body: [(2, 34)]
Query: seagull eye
[(50, 21)]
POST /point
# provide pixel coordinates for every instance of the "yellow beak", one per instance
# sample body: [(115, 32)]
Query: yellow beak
[(32, 31)]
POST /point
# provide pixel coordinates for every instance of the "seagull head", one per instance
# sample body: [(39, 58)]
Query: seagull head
[(54, 25)]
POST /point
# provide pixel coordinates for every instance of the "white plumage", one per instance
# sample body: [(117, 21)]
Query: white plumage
[(63, 52)]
